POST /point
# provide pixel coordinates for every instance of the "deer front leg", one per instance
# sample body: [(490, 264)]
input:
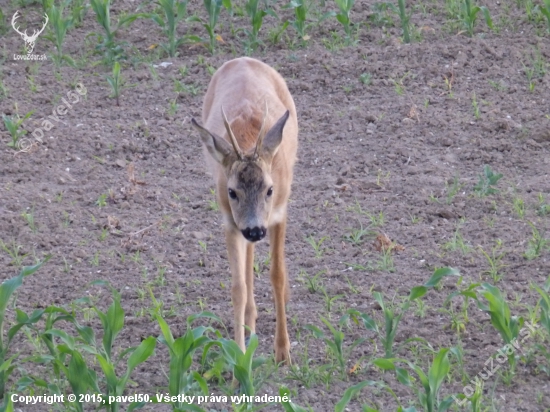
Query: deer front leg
[(280, 290), (250, 313), (236, 251)]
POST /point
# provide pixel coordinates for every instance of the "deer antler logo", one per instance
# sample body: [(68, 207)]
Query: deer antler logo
[(29, 40)]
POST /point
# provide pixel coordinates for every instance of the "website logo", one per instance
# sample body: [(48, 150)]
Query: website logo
[(30, 41)]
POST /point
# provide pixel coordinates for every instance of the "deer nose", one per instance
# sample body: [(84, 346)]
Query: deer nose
[(254, 234)]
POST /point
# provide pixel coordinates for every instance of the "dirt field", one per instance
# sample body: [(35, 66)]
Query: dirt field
[(393, 139)]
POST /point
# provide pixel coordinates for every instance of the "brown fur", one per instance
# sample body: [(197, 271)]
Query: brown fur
[(243, 87)]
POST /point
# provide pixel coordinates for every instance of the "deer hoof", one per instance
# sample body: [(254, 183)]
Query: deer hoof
[(282, 355)]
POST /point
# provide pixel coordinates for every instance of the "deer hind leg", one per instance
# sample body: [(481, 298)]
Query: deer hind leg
[(236, 251), (250, 312), (280, 290)]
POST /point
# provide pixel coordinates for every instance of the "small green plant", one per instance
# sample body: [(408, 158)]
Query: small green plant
[(102, 200), (366, 78), (29, 218), (457, 243), (13, 126), (256, 15), (386, 263), (431, 382), (398, 84), (391, 319), (475, 105), (242, 364), (112, 321), (301, 8), (545, 10), (111, 50), (59, 25), (116, 82), (519, 206), (543, 207), (213, 204), (536, 244), (14, 252), (335, 341), (508, 326), (313, 283), (213, 8), (78, 11), (487, 181), (7, 289), (356, 236), (536, 69), (3, 25), (452, 189), (494, 261), (405, 21), (469, 16), (181, 350), (343, 17), (382, 13), (317, 245)]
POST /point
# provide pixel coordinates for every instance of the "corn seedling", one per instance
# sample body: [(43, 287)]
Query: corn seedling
[(494, 261), (405, 21), (382, 13), (13, 126), (457, 242), (313, 283), (213, 8), (13, 252), (543, 207), (59, 25), (301, 10), (335, 341), (365, 78), (7, 288), (29, 218), (107, 45), (545, 10), (469, 16), (317, 245), (3, 25), (508, 326), (343, 17), (356, 236), (487, 181), (182, 349), (519, 207), (78, 11), (386, 263), (428, 396), (83, 379), (242, 364), (329, 301), (392, 319), (536, 244), (544, 307), (115, 82), (256, 16), (475, 105), (452, 189)]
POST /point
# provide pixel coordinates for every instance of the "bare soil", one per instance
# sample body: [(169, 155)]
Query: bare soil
[(389, 148)]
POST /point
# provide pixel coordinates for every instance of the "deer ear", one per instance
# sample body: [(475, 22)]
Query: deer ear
[(274, 136), (218, 147)]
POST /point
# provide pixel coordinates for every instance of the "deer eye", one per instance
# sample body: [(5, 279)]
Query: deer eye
[(232, 194), (270, 191)]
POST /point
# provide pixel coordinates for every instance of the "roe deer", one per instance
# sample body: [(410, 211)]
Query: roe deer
[(250, 137)]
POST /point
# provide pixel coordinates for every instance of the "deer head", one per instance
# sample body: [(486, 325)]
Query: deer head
[(249, 183), (29, 40)]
